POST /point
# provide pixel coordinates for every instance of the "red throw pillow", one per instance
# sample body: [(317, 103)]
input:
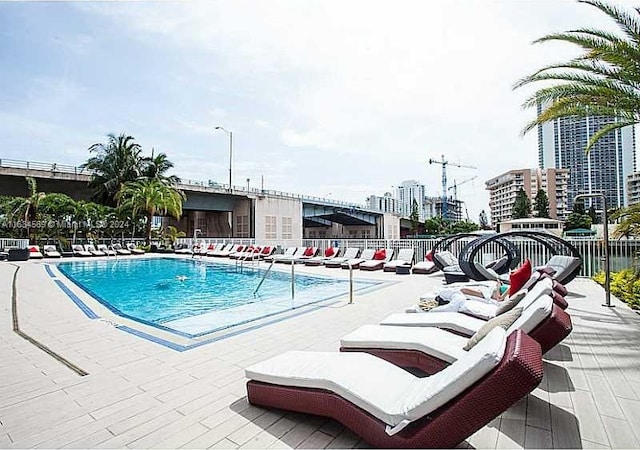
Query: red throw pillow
[(329, 252), (33, 250), (380, 254), (308, 251), (239, 249), (210, 247), (519, 277), (266, 250), (429, 256)]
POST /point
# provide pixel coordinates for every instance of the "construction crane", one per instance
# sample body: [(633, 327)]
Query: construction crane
[(455, 191), (444, 164)]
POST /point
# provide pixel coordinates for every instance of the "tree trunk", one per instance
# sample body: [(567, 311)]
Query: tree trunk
[(148, 229)]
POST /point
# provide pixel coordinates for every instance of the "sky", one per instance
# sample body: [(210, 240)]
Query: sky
[(337, 99)]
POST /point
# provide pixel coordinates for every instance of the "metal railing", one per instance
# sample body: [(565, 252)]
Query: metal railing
[(622, 252), (209, 185), (13, 243)]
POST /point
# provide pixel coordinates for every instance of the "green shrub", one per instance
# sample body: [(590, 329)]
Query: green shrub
[(625, 285)]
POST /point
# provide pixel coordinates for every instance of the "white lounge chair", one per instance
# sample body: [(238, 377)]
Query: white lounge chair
[(50, 251), (380, 258), (367, 255), (94, 252), (134, 250), (404, 258), (329, 254), (106, 250), (349, 253), (34, 252), (121, 251), (309, 253), (288, 252), (290, 259), (378, 400), (216, 250), (78, 250)]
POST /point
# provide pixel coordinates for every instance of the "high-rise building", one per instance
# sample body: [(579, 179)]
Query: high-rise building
[(562, 143), (386, 203), (504, 188), (406, 193), (633, 188)]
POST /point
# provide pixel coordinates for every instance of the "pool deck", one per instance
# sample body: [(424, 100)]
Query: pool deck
[(144, 395)]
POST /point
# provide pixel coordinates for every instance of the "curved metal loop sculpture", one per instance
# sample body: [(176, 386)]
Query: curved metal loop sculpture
[(510, 259), (552, 244), (445, 243)]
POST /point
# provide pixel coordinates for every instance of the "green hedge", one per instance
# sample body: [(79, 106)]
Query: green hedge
[(625, 285)]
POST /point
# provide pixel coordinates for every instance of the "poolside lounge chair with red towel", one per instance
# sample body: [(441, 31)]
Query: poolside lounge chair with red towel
[(34, 252), (391, 408), (329, 254), (349, 253), (380, 258)]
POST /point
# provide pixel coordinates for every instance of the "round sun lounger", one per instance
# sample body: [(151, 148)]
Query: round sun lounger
[(438, 411)]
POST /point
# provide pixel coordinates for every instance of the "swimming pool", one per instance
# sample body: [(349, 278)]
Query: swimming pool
[(194, 297)]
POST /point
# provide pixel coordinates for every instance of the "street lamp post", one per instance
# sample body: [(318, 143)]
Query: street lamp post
[(605, 219), (230, 134)]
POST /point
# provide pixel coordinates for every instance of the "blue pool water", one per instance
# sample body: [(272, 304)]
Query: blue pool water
[(196, 297)]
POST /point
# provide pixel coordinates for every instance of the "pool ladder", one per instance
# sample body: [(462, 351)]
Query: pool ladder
[(115, 252), (253, 257)]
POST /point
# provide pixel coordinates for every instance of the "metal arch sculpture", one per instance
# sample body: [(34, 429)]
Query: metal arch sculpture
[(469, 252), (552, 243), (445, 244)]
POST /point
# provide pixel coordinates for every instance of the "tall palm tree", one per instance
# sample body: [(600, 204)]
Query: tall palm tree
[(115, 163), (26, 208), (603, 81), (150, 197), (156, 166)]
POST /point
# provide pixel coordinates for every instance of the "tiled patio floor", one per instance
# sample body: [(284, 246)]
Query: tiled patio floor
[(141, 394)]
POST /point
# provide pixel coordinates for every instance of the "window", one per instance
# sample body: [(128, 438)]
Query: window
[(270, 228), (242, 226), (287, 228)]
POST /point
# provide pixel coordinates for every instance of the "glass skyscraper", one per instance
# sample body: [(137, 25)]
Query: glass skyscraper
[(562, 143)]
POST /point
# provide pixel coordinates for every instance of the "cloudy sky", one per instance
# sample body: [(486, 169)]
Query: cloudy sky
[(328, 98)]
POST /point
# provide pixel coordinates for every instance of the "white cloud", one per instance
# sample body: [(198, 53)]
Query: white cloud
[(350, 97)]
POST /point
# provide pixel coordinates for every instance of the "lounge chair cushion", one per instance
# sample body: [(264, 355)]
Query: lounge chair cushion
[(446, 258), (511, 302), (439, 343), (533, 315), (329, 252), (358, 378), (503, 321), (380, 254), (460, 323), (519, 277), (478, 308)]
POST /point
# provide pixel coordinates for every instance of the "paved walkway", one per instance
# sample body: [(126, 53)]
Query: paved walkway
[(141, 394)]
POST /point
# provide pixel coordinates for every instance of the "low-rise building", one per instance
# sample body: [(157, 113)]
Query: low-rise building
[(504, 188)]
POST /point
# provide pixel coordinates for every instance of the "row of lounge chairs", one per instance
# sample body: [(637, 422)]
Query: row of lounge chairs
[(88, 250), (366, 388)]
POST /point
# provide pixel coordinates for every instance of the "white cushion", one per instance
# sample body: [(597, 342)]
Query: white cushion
[(543, 287), (432, 341), (481, 309), (372, 263), (358, 378), (535, 276), (455, 321), (533, 315), (427, 265)]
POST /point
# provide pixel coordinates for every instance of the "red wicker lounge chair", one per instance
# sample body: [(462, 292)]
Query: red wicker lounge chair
[(517, 374)]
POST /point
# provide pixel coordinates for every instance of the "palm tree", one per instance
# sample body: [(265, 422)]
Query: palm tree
[(26, 208), (150, 197), (155, 167), (603, 81), (629, 221), (115, 163)]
